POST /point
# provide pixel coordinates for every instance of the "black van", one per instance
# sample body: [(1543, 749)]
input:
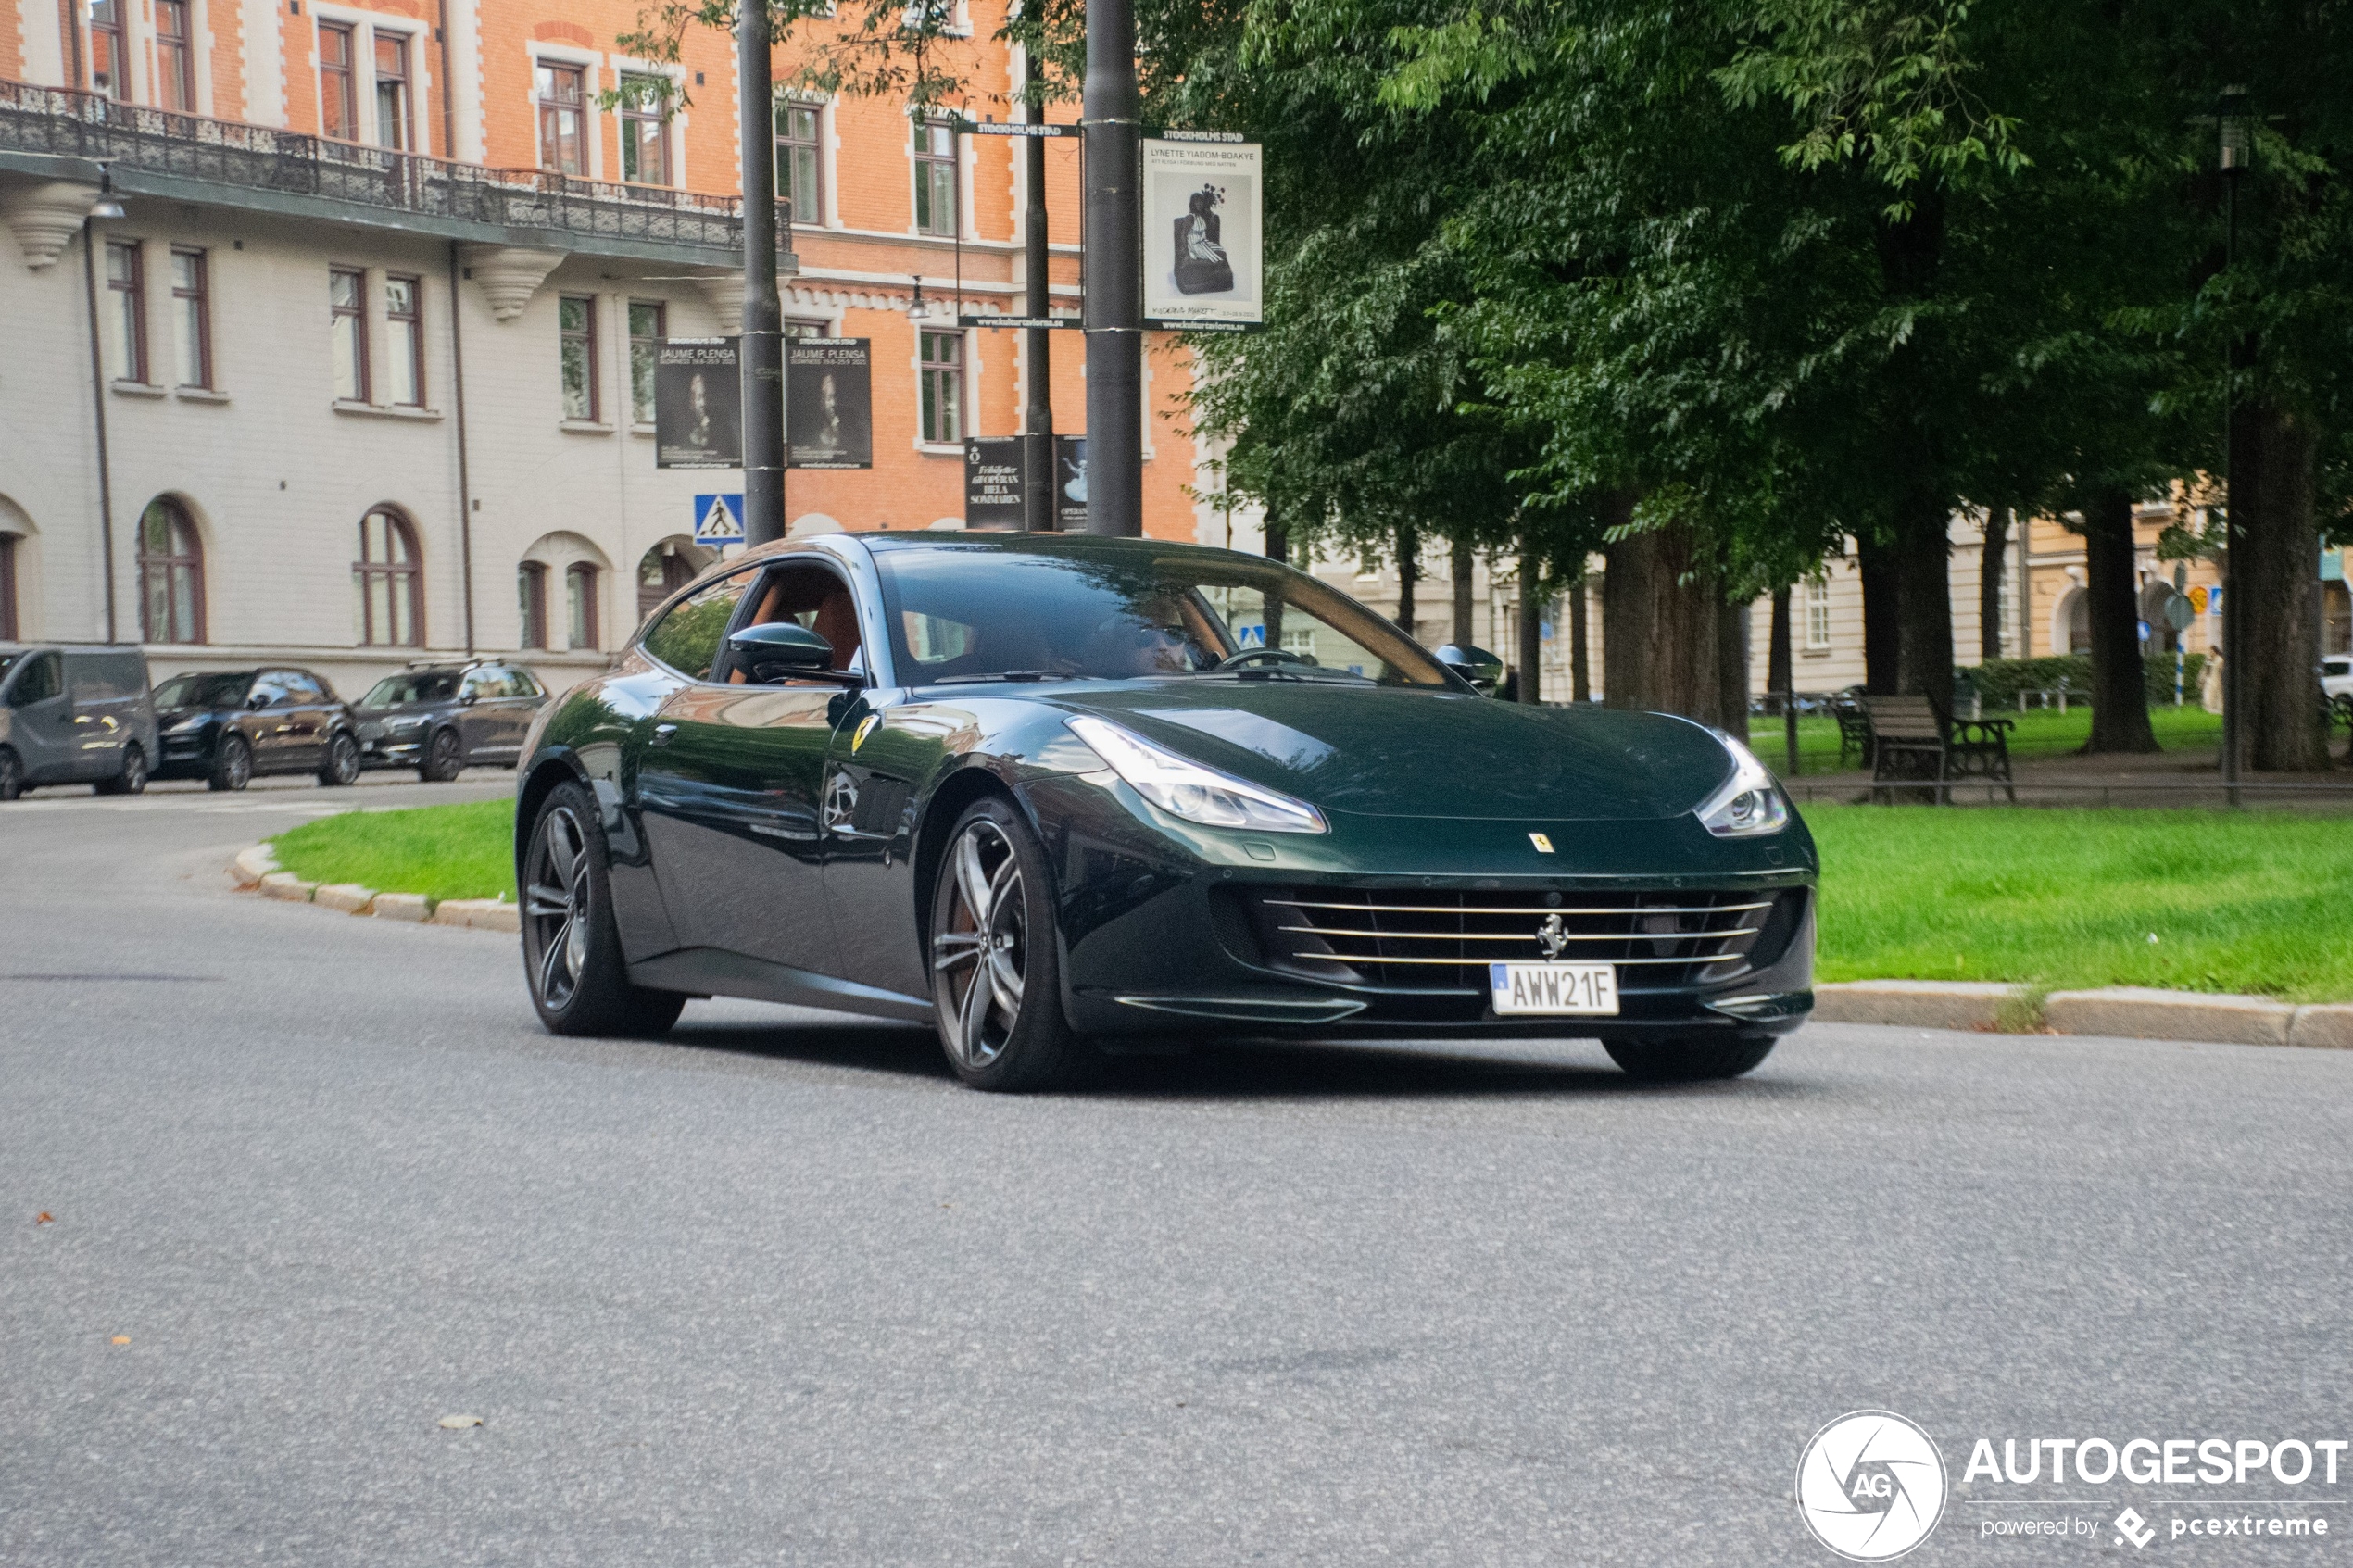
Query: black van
[(75, 715)]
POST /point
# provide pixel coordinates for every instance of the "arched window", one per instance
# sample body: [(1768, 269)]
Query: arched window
[(384, 579), (667, 568), (170, 574), (531, 601), (579, 605)]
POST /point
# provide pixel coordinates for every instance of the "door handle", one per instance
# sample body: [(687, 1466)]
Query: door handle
[(664, 735)]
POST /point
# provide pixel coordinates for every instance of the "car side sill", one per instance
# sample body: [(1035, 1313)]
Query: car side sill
[(718, 973)]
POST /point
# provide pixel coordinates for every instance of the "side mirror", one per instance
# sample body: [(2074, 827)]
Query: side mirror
[(257, 701), (468, 698), (778, 650), (1477, 666)]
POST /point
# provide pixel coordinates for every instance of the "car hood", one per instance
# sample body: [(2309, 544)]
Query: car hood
[(1386, 751)]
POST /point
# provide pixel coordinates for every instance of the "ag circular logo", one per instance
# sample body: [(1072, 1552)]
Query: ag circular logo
[(1870, 1486)]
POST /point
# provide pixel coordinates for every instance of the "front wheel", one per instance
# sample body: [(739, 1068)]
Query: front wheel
[(232, 769), (342, 766), (1688, 1061), (995, 970), (133, 780), (571, 946), (444, 759), (11, 775)]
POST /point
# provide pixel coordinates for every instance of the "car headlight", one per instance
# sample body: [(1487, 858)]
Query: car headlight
[(1751, 804), (189, 726), (1183, 787)]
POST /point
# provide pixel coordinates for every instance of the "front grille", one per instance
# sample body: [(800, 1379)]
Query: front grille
[(1420, 940)]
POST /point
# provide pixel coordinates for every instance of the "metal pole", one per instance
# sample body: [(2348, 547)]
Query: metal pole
[(465, 481), (1038, 415), (763, 346), (1115, 274), (98, 404)]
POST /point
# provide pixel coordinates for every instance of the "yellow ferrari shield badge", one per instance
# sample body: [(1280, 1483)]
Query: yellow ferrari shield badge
[(865, 728), (1542, 841)]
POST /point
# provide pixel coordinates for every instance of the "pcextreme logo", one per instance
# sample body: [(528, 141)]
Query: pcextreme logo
[(1870, 1486)]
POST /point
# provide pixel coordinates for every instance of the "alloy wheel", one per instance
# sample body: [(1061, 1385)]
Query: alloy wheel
[(343, 761), (11, 775), (556, 907), (134, 771), (978, 945), (236, 763)]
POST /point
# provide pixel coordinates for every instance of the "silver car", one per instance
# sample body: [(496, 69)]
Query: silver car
[(75, 715)]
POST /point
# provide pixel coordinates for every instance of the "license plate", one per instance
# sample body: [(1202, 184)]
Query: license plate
[(1589, 989)]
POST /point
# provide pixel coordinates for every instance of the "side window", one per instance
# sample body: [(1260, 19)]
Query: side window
[(688, 635), (301, 687), (525, 684), (37, 682), (817, 600), (479, 684), (268, 691)]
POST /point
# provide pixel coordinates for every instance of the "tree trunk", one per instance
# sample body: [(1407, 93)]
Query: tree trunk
[(1580, 659), (1462, 628), (1731, 663), (2276, 545), (1924, 589), (2119, 700), (1409, 570), (1663, 644), (1277, 549), (1777, 655), (1991, 566), (1531, 617), (1883, 618)]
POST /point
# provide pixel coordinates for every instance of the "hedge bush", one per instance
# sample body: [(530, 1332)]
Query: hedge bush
[(1998, 680)]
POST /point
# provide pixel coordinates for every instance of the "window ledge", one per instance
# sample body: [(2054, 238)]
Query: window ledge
[(384, 411), (940, 449), (136, 389), (643, 432), (584, 427), (1814, 653), (200, 395)]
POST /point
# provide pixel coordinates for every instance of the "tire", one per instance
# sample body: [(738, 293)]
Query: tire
[(232, 765), (133, 780), (571, 946), (995, 965), (342, 766), (11, 775), (1689, 1061), (444, 759)]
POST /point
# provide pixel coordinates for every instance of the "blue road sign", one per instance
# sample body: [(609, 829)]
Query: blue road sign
[(719, 519)]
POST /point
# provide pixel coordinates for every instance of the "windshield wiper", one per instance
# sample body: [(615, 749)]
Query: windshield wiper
[(1010, 676)]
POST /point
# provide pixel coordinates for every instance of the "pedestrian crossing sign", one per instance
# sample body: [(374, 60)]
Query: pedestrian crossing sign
[(719, 519)]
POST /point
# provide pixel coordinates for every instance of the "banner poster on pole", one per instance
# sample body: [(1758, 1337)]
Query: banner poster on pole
[(1204, 234), (994, 477), (698, 401), (829, 407), (1070, 484)]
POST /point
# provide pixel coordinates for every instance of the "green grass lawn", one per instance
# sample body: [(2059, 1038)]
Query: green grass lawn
[(2060, 899), (2039, 732), (445, 851)]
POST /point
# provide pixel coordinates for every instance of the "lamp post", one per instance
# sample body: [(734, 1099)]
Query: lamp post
[(763, 346), (1114, 318), (2232, 153), (1037, 411)]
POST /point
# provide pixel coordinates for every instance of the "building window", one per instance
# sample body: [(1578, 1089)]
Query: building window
[(110, 74), (392, 91), (579, 605), (385, 582), (576, 333), (942, 393), (646, 324), (935, 178), (127, 321), (664, 569), (1817, 614), (797, 161), (530, 600), (171, 575), (8, 587), (405, 339), (175, 74), (338, 94), (563, 91), (347, 297), (191, 308), (645, 132), (801, 327)]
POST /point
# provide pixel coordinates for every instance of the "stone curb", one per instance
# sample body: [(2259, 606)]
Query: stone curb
[(253, 864), (403, 906), (483, 914), (1913, 1004), (286, 886), (2139, 1012), (2118, 1013), (348, 897)]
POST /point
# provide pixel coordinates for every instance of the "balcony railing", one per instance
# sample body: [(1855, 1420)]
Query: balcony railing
[(255, 157)]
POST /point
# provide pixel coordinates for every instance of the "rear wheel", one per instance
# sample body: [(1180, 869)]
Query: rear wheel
[(1688, 1061), (571, 946), (11, 775), (996, 974), (133, 780), (342, 766), (232, 769), (444, 759)]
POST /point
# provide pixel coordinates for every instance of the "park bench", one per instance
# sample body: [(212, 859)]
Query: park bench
[(1913, 740), (1853, 730)]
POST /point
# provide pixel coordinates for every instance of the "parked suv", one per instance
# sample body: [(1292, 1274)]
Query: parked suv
[(75, 715), (442, 718), (226, 727)]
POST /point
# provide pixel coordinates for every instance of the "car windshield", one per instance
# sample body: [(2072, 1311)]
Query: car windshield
[(416, 685), (1063, 610), (203, 691)]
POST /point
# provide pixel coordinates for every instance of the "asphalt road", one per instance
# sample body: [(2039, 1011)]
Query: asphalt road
[(777, 1290)]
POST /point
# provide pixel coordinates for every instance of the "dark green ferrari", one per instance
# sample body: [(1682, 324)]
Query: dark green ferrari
[(1062, 795)]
